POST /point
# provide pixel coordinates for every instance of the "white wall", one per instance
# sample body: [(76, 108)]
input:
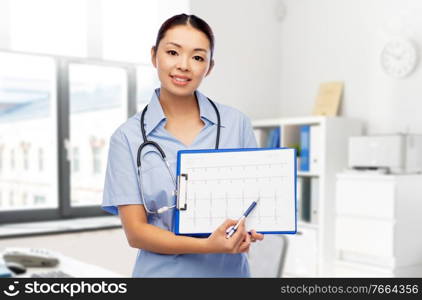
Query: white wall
[(328, 40), (246, 73)]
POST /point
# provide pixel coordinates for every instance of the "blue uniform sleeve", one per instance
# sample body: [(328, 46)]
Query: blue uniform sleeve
[(249, 140), (121, 181)]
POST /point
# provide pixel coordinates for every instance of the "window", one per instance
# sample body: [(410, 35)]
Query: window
[(96, 146), (130, 27), (49, 26), (28, 117), (12, 159), (25, 149), (40, 160), (39, 179), (98, 104), (39, 200), (11, 198), (24, 199), (94, 101), (1, 158), (147, 81), (96, 167), (75, 160), (119, 30)]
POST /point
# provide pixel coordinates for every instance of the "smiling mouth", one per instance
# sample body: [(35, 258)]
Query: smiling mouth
[(180, 80)]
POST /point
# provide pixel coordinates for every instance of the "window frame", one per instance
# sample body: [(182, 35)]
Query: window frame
[(64, 209)]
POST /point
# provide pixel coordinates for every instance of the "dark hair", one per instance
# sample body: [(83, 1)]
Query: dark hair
[(184, 19)]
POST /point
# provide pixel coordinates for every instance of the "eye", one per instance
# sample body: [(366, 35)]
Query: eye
[(172, 52), (198, 58)]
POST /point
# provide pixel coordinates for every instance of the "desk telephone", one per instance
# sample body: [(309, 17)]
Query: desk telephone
[(30, 257)]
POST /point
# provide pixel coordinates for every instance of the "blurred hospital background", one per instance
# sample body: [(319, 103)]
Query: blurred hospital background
[(71, 71)]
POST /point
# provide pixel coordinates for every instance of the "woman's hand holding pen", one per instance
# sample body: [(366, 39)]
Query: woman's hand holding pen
[(239, 242)]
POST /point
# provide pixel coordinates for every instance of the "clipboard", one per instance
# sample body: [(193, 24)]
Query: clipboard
[(214, 185)]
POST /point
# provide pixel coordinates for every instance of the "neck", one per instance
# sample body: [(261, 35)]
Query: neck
[(178, 106)]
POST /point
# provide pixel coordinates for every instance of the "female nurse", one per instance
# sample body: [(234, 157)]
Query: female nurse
[(178, 117)]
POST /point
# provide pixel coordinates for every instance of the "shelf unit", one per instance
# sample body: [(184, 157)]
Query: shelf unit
[(311, 251)]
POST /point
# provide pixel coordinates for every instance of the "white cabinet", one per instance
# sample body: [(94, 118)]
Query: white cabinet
[(362, 197), (311, 252), (378, 225), (365, 240)]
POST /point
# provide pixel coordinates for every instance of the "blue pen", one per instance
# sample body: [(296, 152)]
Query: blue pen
[(232, 229)]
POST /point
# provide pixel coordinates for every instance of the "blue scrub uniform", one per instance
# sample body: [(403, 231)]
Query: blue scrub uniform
[(122, 185)]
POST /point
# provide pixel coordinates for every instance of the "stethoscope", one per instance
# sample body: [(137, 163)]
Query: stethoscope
[(163, 157)]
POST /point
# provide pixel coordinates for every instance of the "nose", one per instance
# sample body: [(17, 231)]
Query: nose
[(183, 63)]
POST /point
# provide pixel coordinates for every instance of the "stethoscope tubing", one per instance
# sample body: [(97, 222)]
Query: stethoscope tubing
[(155, 145)]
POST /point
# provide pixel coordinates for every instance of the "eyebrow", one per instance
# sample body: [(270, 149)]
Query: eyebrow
[(178, 46)]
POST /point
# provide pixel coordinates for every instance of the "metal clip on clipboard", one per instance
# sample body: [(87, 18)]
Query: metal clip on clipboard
[(182, 192)]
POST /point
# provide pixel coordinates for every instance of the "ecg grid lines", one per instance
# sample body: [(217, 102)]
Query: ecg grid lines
[(220, 190)]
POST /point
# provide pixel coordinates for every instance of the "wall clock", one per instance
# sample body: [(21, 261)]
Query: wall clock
[(399, 57)]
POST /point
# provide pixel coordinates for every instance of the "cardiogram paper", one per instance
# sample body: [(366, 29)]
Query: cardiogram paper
[(223, 183)]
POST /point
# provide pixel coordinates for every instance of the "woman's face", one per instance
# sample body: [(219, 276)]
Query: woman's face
[(182, 60)]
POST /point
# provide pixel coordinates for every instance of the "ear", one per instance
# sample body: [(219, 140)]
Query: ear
[(211, 67), (153, 57)]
